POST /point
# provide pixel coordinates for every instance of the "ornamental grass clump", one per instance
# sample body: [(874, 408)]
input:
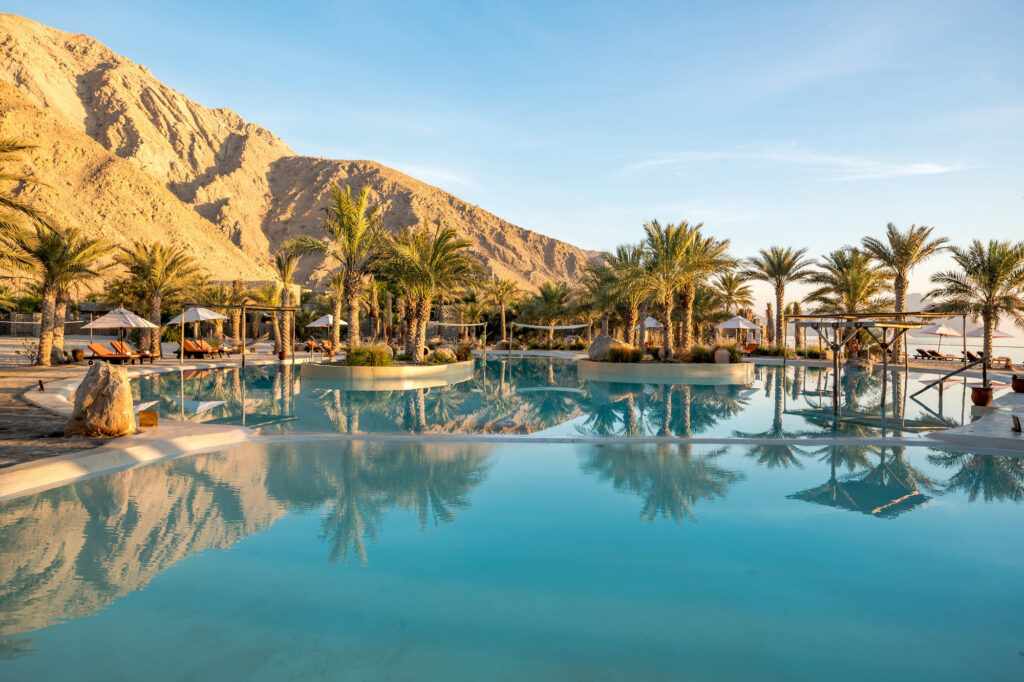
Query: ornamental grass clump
[(369, 356), (625, 354)]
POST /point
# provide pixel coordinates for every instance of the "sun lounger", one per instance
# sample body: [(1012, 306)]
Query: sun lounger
[(972, 357), (748, 349), (221, 352), (922, 354), (936, 355), (100, 352), (194, 351), (124, 348)]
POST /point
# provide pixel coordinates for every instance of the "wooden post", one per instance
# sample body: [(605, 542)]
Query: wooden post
[(242, 325), (181, 339)]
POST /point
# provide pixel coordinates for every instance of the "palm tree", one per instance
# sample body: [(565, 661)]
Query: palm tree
[(501, 293), (335, 298), (548, 306), (158, 272), (59, 259), (989, 283), (779, 266), (901, 252), (596, 292), (666, 270), (849, 280), (627, 264), (705, 255), (353, 234), (732, 290), (425, 262), (13, 209), (269, 296), (285, 263)]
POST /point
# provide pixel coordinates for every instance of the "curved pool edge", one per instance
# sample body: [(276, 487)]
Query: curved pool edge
[(703, 374), (396, 378)]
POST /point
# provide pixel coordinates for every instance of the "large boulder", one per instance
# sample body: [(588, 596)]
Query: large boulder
[(443, 354), (600, 346), (103, 403)]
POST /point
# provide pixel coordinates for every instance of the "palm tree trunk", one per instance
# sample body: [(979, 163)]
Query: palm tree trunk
[(604, 324), (421, 327), (987, 320), (336, 323), (631, 320), (641, 335), (687, 294), (374, 313), (218, 332), (156, 301), (389, 316), (353, 317), (60, 313), (286, 300), (666, 335), (46, 327), (900, 290), (504, 334), (780, 330)]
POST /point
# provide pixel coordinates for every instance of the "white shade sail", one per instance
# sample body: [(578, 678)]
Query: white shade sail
[(197, 315), (940, 330), (651, 323), (326, 321), (738, 322), (996, 334), (119, 318)]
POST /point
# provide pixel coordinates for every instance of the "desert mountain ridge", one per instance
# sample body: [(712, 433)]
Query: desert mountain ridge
[(121, 154)]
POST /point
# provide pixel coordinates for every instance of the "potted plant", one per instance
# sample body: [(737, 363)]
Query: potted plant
[(1017, 384), (281, 355), (981, 395)]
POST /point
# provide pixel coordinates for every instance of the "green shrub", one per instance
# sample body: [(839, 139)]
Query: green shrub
[(625, 354), (369, 356), (578, 345), (464, 351), (439, 359), (773, 351), (700, 354)]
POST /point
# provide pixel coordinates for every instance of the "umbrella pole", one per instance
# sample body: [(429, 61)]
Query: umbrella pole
[(181, 340), (963, 333), (243, 325)]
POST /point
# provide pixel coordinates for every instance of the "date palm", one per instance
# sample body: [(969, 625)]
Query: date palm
[(704, 256), (778, 266), (501, 293), (352, 238), (335, 299), (666, 251), (12, 209), (285, 263), (849, 280), (627, 264), (59, 259), (989, 283), (549, 306), (901, 252), (732, 290), (157, 273)]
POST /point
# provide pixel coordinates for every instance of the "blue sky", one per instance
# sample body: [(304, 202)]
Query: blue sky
[(807, 124)]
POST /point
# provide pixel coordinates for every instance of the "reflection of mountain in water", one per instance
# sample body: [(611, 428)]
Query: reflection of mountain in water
[(670, 480), (71, 551)]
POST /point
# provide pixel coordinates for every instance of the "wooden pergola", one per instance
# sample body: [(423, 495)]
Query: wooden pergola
[(244, 307)]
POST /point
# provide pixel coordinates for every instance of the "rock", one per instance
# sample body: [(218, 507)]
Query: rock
[(600, 346), (103, 403), (722, 356), (442, 354)]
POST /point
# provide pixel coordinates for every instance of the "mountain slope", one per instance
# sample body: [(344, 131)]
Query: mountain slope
[(239, 176)]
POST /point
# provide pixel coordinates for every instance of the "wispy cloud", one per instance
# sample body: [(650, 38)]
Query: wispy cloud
[(832, 167)]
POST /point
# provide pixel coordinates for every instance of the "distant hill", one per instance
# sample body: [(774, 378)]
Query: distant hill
[(127, 156)]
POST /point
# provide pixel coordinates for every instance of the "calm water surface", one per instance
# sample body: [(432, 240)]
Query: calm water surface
[(378, 561), (544, 396)]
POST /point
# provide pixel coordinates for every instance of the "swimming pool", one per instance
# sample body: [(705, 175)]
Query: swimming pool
[(544, 396), (455, 561)]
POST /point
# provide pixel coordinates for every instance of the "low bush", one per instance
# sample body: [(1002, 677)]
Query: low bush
[(773, 351), (464, 351), (812, 354), (369, 356), (625, 354), (440, 359), (578, 345), (700, 354)]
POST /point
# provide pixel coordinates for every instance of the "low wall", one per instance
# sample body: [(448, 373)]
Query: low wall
[(400, 378), (698, 374)]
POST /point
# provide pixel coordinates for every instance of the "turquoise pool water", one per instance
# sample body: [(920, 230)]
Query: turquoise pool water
[(544, 396), (377, 561)]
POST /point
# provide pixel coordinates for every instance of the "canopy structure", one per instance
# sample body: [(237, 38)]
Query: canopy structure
[(737, 322), (550, 328), (326, 321), (651, 323), (197, 315), (940, 330), (119, 318)]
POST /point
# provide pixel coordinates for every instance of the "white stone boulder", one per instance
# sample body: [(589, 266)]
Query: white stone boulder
[(723, 356), (600, 346), (103, 404), (443, 354)]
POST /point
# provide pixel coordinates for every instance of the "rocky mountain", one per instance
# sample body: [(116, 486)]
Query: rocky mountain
[(109, 131)]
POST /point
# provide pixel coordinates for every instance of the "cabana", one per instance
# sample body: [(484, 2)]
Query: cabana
[(550, 328)]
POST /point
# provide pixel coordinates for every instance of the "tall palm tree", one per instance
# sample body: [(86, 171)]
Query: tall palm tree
[(353, 234), (779, 266), (901, 252), (989, 283), (501, 293), (425, 262), (849, 280), (285, 263), (597, 291), (59, 259), (704, 256), (335, 298), (270, 296), (158, 272), (627, 264), (549, 306), (666, 250), (12, 209), (732, 290)]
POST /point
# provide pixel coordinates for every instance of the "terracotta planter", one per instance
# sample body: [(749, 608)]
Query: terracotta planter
[(981, 396), (1017, 384), (282, 355), (78, 354)]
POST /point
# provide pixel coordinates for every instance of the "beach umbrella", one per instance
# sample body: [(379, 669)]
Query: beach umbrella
[(940, 330), (119, 319), (326, 321), (197, 315), (737, 322), (979, 333), (651, 323), (197, 406)]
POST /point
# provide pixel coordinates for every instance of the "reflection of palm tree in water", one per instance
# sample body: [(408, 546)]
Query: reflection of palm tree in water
[(670, 480), (780, 455), (991, 477)]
